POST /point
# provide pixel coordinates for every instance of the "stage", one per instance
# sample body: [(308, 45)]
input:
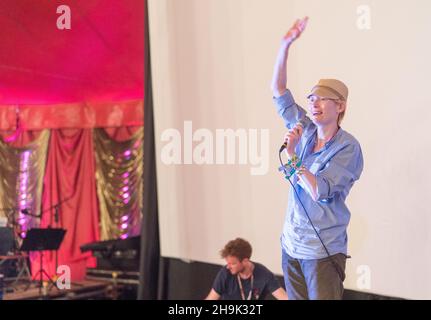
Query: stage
[(80, 290)]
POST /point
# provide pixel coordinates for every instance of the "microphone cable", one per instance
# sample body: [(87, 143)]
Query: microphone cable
[(337, 267)]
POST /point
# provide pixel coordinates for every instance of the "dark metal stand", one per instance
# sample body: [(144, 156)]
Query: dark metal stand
[(43, 240)]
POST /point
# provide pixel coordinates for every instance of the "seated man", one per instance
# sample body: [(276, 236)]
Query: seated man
[(243, 279)]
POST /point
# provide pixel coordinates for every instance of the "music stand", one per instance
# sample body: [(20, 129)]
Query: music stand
[(38, 239)]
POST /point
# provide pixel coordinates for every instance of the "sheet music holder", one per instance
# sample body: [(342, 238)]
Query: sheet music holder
[(38, 239)]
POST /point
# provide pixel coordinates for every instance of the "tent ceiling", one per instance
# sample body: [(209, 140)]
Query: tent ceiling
[(100, 59)]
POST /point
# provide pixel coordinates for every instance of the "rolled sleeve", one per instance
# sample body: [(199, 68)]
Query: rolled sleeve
[(284, 101), (323, 190), (339, 174), (289, 110)]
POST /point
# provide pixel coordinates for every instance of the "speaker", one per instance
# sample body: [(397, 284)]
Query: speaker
[(6, 240)]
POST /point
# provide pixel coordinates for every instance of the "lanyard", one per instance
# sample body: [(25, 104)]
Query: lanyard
[(242, 289)]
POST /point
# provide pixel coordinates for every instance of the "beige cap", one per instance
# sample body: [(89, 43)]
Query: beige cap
[(330, 88)]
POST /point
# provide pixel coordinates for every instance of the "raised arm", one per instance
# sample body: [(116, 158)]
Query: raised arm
[(279, 78)]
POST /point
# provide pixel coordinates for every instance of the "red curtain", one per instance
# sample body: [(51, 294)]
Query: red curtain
[(69, 177)]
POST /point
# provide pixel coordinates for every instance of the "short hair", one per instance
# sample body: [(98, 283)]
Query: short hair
[(239, 248), (342, 113)]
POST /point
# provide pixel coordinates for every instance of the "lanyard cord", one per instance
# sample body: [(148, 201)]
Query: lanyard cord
[(242, 289)]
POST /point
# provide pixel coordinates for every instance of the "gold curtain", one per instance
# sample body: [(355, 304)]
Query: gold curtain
[(119, 178), (21, 171)]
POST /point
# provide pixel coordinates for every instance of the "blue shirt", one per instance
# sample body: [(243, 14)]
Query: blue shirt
[(336, 167)]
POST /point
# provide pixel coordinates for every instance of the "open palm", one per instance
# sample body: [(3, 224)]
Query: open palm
[(296, 30)]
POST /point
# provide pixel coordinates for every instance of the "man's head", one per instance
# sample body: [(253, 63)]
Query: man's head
[(327, 101), (237, 254)]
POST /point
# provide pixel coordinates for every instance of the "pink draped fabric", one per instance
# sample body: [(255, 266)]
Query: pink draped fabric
[(73, 115), (70, 176), (121, 134)]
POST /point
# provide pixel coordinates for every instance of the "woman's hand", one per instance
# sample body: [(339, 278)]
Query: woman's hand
[(296, 30), (291, 139)]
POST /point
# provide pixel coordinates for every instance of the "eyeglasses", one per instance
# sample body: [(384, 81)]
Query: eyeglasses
[(313, 99)]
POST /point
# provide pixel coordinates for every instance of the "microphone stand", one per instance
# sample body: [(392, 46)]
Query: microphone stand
[(55, 207), (56, 226)]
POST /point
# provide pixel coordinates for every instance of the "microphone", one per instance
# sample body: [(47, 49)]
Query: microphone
[(284, 145), (26, 211), (56, 214)]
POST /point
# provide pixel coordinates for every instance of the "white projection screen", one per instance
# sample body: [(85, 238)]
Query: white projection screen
[(212, 62)]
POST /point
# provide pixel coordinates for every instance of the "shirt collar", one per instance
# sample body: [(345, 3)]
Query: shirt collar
[(334, 138)]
